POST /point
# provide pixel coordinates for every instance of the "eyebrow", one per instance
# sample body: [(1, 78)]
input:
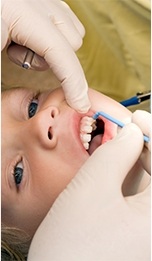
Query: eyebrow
[(8, 92)]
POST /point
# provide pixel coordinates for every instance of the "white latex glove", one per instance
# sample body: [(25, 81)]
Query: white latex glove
[(143, 120), (4, 34), (53, 32), (91, 220)]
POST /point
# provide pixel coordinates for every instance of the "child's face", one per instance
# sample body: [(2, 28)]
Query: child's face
[(42, 150)]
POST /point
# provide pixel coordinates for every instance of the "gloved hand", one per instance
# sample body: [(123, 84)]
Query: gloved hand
[(143, 120), (91, 219), (53, 32)]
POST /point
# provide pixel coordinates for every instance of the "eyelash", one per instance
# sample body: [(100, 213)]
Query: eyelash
[(18, 172), (18, 176), (30, 101)]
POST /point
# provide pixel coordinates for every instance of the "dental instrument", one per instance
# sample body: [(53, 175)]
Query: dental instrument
[(28, 59), (137, 99), (119, 123)]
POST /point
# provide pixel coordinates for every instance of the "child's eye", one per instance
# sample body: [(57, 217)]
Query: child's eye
[(18, 173), (32, 108)]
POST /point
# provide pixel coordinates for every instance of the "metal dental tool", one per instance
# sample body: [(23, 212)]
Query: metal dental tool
[(119, 123), (137, 99), (28, 59)]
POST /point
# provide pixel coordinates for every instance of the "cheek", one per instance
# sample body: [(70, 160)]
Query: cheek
[(72, 157), (50, 173), (30, 214), (26, 211), (45, 187), (53, 172)]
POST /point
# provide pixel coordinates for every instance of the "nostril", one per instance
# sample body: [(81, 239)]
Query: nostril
[(53, 114), (49, 134)]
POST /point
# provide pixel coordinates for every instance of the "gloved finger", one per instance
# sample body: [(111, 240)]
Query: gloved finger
[(17, 53), (69, 26), (112, 161), (55, 49), (75, 20), (75, 86), (66, 22), (4, 34), (68, 30), (143, 120), (66, 66)]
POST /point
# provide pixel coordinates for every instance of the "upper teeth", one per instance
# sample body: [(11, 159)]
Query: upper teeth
[(87, 125)]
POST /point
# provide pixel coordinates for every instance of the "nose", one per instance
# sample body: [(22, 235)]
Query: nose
[(41, 127)]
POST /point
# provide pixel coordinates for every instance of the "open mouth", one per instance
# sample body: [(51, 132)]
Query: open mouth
[(92, 133), (97, 136)]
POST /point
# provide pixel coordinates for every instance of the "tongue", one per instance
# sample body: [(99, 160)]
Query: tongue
[(95, 143)]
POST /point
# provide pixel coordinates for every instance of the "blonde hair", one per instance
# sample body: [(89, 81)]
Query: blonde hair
[(14, 244)]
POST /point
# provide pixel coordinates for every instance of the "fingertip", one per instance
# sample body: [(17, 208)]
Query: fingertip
[(139, 116), (75, 20), (84, 109), (76, 41), (81, 106), (132, 131), (129, 142), (143, 120)]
